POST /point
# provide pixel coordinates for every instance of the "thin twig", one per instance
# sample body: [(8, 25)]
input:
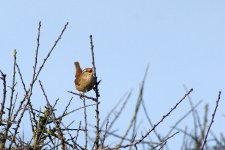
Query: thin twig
[(53, 47), (149, 120), (29, 92), (113, 110), (31, 120), (205, 121), (97, 96), (212, 120), (21, 78), (32, 116), (85, 124), (187, 133), (65, 111), (13, 86), (36, 51), (85, 96), (66, 114), (138, 103), (184, 143), (21, 102), (165, 140), (71, 137), (182, 118), (163, 145), (14, 104), (56, 101), (165, 116), (104, 135), (197, 123), (76, 137), (120, 111), (3, 103), (3, 77), (57, 123)]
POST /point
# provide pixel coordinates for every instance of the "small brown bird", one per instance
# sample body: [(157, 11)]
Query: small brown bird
[(84, 80)]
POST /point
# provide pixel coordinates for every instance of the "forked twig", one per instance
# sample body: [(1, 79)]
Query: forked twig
[(137, 107), (56, 122), (164, 141), (29, 91), (144, 136)]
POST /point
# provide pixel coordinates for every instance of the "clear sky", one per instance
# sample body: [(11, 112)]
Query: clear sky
[(182, 41)]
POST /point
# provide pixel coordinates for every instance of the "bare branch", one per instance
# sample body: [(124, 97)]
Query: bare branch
[(212, 120), (3, 77), (85, 96), (97, 96), (144, 136)]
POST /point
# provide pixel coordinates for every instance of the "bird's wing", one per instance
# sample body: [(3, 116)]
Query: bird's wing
[(78, 81)]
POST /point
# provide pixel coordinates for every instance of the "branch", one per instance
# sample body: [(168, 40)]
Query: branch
[(212, 120), (144, 136), (3, 77), (91, 98), (97, 96), (56, 122)]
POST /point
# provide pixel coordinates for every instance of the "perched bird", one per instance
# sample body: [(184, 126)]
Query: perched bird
[(84, 80)]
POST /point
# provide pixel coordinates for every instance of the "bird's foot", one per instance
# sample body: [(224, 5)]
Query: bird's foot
[(81, 95)]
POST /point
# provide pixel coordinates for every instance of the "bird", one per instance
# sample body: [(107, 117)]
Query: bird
[(84, 80)]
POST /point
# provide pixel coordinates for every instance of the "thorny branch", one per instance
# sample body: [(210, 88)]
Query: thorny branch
[(97, 96), (56, 122), (29, 91), (3, 77)]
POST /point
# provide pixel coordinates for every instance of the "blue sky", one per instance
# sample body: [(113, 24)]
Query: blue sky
[(182, 41)]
